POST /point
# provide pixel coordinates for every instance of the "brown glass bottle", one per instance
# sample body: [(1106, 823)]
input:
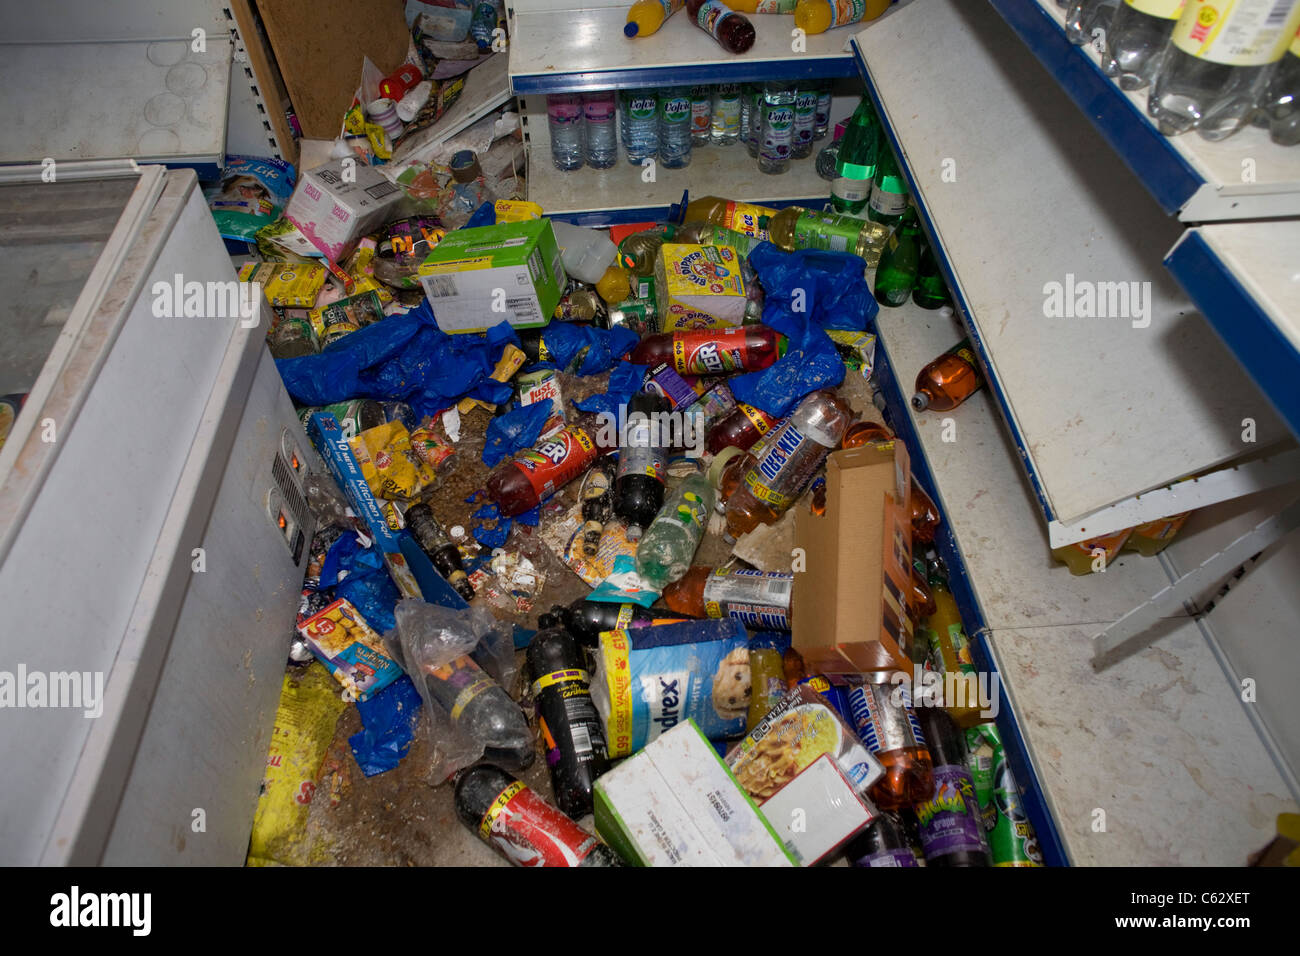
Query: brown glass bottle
[(949, 380)]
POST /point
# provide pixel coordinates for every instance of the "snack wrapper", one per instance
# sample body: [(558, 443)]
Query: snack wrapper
[(389, 463)]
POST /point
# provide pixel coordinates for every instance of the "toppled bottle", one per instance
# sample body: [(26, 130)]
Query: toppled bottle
[(665, 552), (597, 497)]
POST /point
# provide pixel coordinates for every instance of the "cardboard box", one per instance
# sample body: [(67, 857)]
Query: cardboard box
[(675, 803), (476, 277), (817, 812), (333, 212), (852, 595), (699, 287)]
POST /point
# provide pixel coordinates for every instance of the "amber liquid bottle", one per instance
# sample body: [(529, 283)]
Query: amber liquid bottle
[(949, 380)]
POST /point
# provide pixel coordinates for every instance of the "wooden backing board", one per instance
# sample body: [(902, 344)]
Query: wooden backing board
[(271, 83), (320, 45)]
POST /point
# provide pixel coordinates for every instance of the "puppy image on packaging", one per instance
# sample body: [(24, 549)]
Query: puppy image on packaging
[(732, 687)]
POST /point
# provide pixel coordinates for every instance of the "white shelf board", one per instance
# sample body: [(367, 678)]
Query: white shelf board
[(1265, 258), (1101, 410), (553, 51), (1148, 728), (1244, 175), (486, 88)]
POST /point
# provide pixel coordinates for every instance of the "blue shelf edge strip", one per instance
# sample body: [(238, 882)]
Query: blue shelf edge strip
[(1150, 155), (994, 386), (1267, 355), (1035, 804), (737, 71)]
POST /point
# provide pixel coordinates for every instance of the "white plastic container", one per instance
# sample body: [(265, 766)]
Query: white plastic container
[(586, 253)]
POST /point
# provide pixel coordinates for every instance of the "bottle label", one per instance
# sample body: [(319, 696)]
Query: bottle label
[(642, 107), (775, 6), (788, 461), (778, 132), (950, 820), (464, 698), (560, 677), (1237, 32), (639, 456), (564, 108), (745, 218), (701, 115), (530, 832), (761, 421), (598, 108), (805, 117), (706, 352), (889, 858), (881, 724), (726, 111), (690, 512), (1164, 9), (758, 599), (676, 109), (887, 202), (710, 16), (849, 189), (615, 651), (556, 461), (847, 11), (815, 230)]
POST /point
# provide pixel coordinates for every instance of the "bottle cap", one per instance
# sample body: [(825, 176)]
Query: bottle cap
[(920, 401), (631, 29)]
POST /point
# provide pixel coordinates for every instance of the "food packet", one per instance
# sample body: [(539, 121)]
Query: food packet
[(286, 284), (339, 319), (250, 195), (342, 640), (389, 464)]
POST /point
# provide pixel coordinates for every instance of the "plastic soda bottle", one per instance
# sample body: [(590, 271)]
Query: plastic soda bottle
[(856, 160), (822, 125), (712, 351), (1010, 835), (818, 16), (732, 30), (521, 483), (639, 124), (675, 127), (1136, 39), (791, 454), (664, 553), (767, 678), (646, 16), (570, 727), (924, 513), (739, 428), (701, 115), (952, 827), (597, 498), (1279, 104), (758, 599), (949, 380), (739, 216), (889, 195), (598, 111), (805, 120), (1082, 17), (797, 228), (587, 620), (481, 709), (881, 844), (884, 719), (930, 291), (521, 826), (442, 552), (639, 484), (1096, 554), (947, 649)]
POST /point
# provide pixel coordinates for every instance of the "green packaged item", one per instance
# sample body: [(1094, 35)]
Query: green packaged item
[(1011, 837)]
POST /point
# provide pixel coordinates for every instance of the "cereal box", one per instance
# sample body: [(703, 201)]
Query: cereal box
[(699, 287)]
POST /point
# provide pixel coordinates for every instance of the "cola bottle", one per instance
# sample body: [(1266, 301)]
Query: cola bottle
[(881, 844), (521, 826), (952, 826), (597, 497), (571, 729), (739, 428), (712, 351), (639, 485), (483, 711), (521, 483), (442, 552), (587, 620), (791, 454)]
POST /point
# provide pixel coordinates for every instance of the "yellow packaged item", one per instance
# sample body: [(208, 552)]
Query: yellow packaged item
[(389, 463), (286, 284), (309, 709), (360, 267), (511, 361), (699, 287), (511, 210)]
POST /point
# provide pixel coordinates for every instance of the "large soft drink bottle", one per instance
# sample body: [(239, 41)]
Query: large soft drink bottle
[(724, 118), (818, 16), (881, 844), (952, 826), (646, 16), (521, 826), (856, 160), (776, 128), (642, 457), (822, 124), (701, 115), (598, 110), (597, 499), (1136, 40), (521, 483), (767, 678), (739, 428), (712, 351), (482, 710), (883, 716), (900, 263), (949, 380), (732, 30), (1218, 63), (758, 599), (930, 291), (587, 620), (740, 216), (664, 554), (797, 228), (571, 729), (948, 648), (889, 195), (639, 124), (791, 454), (805, 119)]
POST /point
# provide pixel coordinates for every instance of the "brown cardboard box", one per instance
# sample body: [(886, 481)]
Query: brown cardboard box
[(850, 600)]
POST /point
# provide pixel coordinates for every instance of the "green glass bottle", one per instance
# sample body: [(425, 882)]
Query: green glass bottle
[(888, 191), (856, 163), (899, 263), (931, 292)]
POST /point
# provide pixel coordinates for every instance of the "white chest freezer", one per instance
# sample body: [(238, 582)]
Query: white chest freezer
[(153, 527)]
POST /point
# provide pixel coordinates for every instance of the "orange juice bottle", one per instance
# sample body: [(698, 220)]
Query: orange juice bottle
[(1079, 557)]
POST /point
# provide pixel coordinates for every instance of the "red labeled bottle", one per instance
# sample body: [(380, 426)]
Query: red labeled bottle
[(712, 351), (739, 428), (523, 482)]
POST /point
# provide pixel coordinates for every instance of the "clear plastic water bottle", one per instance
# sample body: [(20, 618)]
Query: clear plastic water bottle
[(1218, 63), (564, 117), (752, 117), (1084, 16), (805, 121), (664, 554), (675, 127), (726, 121), (602, 140), (776, 128), (701, 115), (823, 123), (1136, 40), (1279, 107), (639, 122)]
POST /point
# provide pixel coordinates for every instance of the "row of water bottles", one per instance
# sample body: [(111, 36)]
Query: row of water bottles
[(1210, 66), (777, 122)]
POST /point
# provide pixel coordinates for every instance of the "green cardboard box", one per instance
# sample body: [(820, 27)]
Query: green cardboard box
[(476, 277)]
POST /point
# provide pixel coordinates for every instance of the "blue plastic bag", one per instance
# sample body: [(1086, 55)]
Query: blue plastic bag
[(514, 431), (403, 358), (585, 349), (389, 719), (365, 581), (624, 382)]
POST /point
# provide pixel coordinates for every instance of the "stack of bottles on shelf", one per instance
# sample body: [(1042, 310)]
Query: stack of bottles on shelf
[(727, 24), (1210, 66), (777, 122)]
